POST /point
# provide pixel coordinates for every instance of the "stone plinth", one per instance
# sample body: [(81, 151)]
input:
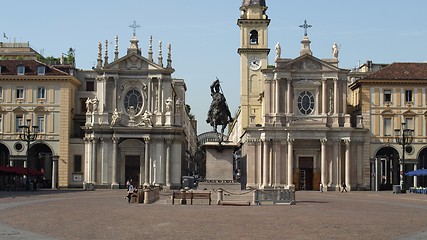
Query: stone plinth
[(219, 161)]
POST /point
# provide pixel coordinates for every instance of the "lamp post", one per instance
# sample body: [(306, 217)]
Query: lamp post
[(404, 137), (28, 134)]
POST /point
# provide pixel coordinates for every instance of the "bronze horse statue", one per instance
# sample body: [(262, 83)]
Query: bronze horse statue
[(219, 113)]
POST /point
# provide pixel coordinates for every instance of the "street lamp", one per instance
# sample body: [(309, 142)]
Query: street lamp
[(28, 134), (404, 137)]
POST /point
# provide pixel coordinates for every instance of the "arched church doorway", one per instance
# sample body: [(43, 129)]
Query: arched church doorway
[(422, 163), (305, 173), (132, 166), (385, 170), (4, 155), (132, 155)]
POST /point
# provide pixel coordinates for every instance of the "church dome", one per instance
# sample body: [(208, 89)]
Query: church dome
[(253, 3)]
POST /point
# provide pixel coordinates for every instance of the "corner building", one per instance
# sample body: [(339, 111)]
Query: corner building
[(293, 125)]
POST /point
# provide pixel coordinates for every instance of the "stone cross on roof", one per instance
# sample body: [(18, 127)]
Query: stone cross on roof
[(305, 26), (134, 26)]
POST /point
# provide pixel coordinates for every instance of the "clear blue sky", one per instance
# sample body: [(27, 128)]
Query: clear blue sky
[(205, 37)]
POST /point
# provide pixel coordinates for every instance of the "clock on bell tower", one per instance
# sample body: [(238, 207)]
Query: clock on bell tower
[(253, 51)]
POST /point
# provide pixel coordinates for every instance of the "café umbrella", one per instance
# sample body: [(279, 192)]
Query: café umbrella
[(418, 172)]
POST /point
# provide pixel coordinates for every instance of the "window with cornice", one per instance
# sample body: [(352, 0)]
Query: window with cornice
[(41, 92), (19, 92), (408, 95), (387, 95), (19, 120), (40, 123), (387, 129)]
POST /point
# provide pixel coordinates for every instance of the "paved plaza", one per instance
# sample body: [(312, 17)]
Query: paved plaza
[(105, 214)]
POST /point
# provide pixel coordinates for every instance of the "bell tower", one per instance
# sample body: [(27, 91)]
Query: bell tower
[(253, 51)]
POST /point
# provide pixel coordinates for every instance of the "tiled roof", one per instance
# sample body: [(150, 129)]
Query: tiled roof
[(400, 71), (10, 67)]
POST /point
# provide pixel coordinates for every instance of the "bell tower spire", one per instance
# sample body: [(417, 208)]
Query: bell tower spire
[(253, 51)]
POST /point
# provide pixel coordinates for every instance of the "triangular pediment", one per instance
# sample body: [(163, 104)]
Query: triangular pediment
[(308, 63), (133, 61), (19, 109), (40, 109)]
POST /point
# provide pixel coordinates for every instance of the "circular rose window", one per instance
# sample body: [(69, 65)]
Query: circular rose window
[(306, 102)]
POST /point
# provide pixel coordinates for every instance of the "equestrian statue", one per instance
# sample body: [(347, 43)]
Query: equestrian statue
[(219, 113)]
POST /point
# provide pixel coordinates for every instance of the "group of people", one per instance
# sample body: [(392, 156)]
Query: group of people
[(343, 187)]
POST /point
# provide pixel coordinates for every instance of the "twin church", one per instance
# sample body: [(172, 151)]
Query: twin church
[(302, 121)]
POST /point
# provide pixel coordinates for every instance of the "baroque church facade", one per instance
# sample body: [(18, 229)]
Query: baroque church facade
[(136, 124), (293, 125)]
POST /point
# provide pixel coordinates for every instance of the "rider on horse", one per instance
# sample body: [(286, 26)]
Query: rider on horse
[(218, 114)]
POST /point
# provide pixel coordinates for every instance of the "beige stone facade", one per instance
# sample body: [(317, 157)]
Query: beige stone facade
[(385, 98)]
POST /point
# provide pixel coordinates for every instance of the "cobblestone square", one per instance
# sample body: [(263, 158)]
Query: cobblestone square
[(105, 214)]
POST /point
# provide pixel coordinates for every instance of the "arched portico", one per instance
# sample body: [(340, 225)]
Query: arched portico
[(385, 169)]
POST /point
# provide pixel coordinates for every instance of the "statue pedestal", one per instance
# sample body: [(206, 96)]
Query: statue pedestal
[(219, 167), (168, 119)]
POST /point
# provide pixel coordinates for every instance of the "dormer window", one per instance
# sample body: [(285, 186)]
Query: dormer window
[(21, 70), (41, 70), (253, 37)]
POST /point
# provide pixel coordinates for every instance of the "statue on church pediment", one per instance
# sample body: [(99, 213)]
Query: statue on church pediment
[(116, 117), (146, 119)]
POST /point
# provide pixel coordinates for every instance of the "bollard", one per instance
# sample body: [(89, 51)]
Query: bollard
[(220, 196), (146, 196), (255, 197)]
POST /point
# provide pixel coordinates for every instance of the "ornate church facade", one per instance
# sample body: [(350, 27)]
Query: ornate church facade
[(136, 125), (293, 125)]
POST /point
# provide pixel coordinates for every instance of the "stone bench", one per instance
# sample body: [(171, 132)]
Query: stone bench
[(184, 196)]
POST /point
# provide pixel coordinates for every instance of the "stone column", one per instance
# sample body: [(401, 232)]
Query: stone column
[(323, 164), (86, 160), (168, 161), (54, 172), (360, 163), (149, 100), (335, 164), (267, 101), (415, 177), (277, 97), (94, 158), (347, 163), (290, 162), (266, 163), (115, 97), (336, 96), (289, 97), (146, 162), (159, 94), (324, 98), (114, 180), (277, 156)]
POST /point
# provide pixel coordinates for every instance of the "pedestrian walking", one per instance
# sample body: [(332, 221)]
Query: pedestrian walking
[(344, 187), (321, 187), (130, 190)]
